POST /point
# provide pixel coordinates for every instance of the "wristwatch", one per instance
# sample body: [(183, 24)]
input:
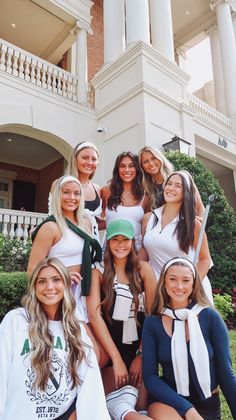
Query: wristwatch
[(139, 353)]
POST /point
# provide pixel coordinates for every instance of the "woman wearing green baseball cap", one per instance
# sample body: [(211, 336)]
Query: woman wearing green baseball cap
[(120, 297)]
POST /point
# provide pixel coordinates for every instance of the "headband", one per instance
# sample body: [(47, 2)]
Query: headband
[(180, 260), (69, 178), (185, 175), (86, 145)]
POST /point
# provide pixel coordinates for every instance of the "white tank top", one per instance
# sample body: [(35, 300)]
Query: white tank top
[(134, 214), (68, 249)]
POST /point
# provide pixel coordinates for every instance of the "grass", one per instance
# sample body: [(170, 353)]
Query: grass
[(225, 412)]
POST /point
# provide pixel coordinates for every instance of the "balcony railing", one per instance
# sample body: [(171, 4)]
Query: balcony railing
[(19, 224), (38, 72), (206, 111)]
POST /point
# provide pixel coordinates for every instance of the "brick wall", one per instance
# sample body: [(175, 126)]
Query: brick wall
[(95, 41), (46, 176)]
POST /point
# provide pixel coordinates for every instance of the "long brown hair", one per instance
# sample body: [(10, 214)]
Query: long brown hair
[(161, 299), (131, 269), (40, 336)]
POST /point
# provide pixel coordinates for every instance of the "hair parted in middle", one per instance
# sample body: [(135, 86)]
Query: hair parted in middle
[(72, 167), (56, 203), (166, 169), (40, 336), (185, 226), (132, 269), (116, 184), (161, 299)]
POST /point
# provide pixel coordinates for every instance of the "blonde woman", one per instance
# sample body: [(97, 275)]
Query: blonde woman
[(47, 364)]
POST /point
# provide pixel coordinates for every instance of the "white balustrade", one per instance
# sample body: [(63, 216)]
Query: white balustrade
[(211, 114), (19, 224), (28, 67)]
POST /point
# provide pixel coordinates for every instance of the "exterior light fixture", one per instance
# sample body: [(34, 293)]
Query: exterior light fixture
[(177, 143)]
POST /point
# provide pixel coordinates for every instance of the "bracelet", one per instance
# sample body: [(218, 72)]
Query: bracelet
[(139, 353)]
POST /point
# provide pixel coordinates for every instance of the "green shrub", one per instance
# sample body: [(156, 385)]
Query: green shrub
[(223, 304), (12, 288), (221, 224), (14, 254)]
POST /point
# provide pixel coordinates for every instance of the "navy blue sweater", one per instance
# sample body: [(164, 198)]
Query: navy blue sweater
[(157, 350)]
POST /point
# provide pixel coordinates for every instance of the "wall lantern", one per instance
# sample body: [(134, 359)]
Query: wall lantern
[(177, 143)]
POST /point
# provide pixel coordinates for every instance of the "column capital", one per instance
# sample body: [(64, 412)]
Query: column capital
[(232, 4), (211, 30), (82, 25)]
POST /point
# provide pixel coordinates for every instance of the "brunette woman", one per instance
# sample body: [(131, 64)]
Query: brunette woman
[(188, 338), (173, 230), (48, 367), (119, 298), (125, 198)]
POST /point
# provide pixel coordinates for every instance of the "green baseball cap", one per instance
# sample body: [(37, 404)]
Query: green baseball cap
[(120, 227)]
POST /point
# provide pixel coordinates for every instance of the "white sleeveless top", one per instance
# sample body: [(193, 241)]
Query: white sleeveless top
[(68, 249), (134, 214), (162, 245)]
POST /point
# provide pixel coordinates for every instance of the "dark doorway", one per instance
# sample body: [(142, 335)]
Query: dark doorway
[(23, 195)]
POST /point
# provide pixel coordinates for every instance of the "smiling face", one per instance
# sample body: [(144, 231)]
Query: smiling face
[(120, 246), (70, 197), (87, 161), (179, 285), (150, 164), (127, 170), (173, 190), (49, 289)]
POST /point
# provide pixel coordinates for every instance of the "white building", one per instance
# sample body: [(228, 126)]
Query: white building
[(68, 67)]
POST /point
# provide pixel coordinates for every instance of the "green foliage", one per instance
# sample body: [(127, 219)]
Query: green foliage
[(221, 224), (12, 288), (225, 412), (223, 304), (14, 254)]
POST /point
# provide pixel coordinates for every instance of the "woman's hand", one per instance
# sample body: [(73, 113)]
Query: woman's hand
[(75, 277), (192, 414), (135, 372), (120, 373)]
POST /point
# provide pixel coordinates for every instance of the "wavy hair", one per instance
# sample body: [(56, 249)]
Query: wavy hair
[(116, 184), (40, 336), (162, 299), (185, 226), (72, 167), (56, 205), (131, 269), (147, 180)]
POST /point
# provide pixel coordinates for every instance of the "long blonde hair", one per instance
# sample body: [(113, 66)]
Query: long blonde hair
[(40, 336), (56, 204), (166, 169), (72, 167), (161, 299)]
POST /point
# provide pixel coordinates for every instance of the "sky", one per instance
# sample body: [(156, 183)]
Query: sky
[(198, 65)]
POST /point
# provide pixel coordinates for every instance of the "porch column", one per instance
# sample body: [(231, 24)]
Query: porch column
[(137, 21), (181, 58), (162, 28), (81, 61), (228, 54), (217, 70), (234, 23), (114, 29)]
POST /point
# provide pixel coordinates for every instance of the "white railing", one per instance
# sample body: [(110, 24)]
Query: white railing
[(19, 224), (39, 72), (206, 111)]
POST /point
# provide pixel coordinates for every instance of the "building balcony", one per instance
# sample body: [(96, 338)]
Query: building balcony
[(19, 224)]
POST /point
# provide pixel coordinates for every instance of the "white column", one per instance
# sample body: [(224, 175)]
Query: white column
[(162, 28), (81, 62), (228, 54), (114, 29), (234, 24), (217, 70), (181, 58), (137, 21)]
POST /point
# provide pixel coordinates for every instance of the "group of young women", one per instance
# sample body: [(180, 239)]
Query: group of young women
[(141, 304)]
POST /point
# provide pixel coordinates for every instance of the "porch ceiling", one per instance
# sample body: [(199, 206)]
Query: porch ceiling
[(46, 33), (26, 151)]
